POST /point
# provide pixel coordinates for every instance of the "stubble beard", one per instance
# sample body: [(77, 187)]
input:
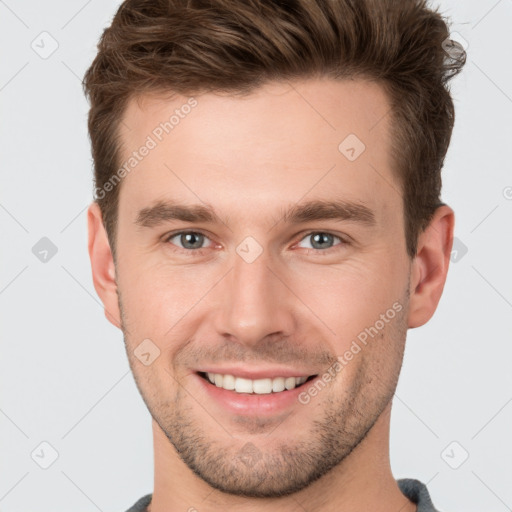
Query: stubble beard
[(242, 466)]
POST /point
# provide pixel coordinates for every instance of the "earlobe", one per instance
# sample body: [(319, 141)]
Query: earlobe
[(430, 266), (102, 264)]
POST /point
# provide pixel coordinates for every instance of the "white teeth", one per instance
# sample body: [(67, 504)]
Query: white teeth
[(262, 386), (228, 382), (243, 385), (278, 384), (289, 382), (258, 386)]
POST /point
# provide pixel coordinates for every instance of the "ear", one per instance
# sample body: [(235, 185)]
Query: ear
[(430, 266), (102, 265)]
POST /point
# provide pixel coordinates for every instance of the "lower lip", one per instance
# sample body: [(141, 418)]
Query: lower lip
[(251, 403)]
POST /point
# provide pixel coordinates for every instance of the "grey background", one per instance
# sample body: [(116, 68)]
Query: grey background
[(64, 374)]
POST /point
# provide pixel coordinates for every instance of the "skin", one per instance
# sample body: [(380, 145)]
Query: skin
[(249, 158)]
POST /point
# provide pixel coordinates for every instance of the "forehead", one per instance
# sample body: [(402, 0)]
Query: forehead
[(280, 143)]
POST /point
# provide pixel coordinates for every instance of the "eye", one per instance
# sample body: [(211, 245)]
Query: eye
[(192, 241), (322, 241), (189, 240)]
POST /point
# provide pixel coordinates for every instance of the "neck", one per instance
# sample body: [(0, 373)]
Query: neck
[(362, 481)]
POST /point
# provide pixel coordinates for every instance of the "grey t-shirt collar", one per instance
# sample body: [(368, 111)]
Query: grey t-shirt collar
[(413, 489)]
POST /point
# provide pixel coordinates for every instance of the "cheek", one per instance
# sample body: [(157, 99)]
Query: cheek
[(155, 319), (169, 305), (154, 301), (352, 296), (166, 303)]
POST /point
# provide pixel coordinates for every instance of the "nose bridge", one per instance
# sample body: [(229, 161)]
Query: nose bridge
[(254, 301)]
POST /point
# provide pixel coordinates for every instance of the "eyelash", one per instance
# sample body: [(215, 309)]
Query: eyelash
[(200, 252)]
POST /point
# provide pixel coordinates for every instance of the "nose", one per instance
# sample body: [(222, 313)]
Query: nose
[(255, 303)]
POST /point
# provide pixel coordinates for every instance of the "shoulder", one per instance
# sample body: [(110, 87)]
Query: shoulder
[(141, 504), (418, 493)]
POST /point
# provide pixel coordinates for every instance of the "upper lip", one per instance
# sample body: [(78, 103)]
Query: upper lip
[(257, 373)]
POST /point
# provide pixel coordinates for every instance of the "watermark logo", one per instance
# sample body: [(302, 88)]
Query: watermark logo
[(44, 250), (45, 45), (455, 455), (44, 455), (352, 147), (157, 135), (146, 352), (249, 249), (336, 367), (313, 390), (459, 250), (455, 45), (249, 455)]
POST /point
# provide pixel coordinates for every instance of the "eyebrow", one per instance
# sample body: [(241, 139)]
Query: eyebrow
[(315, 210)]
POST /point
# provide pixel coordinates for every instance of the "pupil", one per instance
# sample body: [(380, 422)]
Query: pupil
[(189, 237), (320, 238)]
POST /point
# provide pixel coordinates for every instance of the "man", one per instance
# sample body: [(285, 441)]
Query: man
[(267, 225)]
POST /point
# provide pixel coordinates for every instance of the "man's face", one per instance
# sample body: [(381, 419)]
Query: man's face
[(261, 293)]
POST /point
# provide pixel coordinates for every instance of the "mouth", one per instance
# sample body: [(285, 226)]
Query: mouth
[(265, 386)]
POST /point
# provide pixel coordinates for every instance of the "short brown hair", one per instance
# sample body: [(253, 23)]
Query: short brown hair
[(194, 46)]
